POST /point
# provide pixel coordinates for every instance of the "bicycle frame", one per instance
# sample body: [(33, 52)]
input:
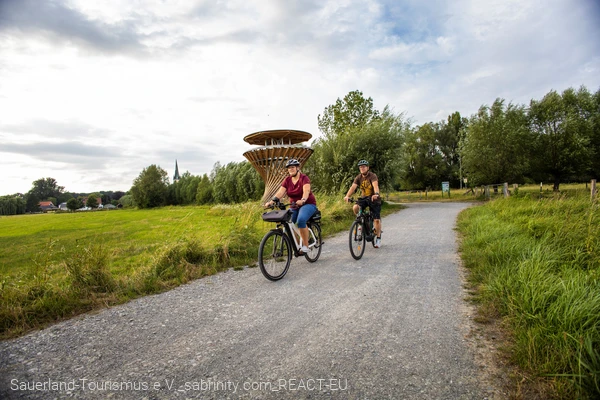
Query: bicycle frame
[(366, 220), (293, 232)]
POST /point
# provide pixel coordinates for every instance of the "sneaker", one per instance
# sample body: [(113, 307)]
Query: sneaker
[(377, 243), (304, 249)]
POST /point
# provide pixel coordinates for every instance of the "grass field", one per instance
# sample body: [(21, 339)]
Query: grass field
[(535, 265), (53, 266), (478, 195), (132, 236)]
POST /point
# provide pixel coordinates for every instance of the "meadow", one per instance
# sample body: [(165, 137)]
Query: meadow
[(54, 266), (534, 265)]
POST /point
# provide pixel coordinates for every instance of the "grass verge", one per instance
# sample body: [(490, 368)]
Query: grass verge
[(535, 263)]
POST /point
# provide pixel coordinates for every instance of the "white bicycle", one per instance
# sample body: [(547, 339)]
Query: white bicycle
[(279, 244)]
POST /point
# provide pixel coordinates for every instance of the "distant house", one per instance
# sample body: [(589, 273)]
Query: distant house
[(110, 207), (98, 199), (46, 206), (63, 207)]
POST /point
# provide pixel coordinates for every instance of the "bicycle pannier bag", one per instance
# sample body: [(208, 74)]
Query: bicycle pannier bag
[(277, 216), (316, 217)]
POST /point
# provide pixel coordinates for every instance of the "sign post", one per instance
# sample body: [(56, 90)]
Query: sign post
[(446, 188)]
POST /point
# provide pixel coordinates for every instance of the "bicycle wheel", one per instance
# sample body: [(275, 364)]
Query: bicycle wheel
[(357, 242), (274, 255), (314, 250)]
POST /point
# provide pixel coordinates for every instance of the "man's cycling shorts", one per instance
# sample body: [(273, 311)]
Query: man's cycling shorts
[(375, 207)]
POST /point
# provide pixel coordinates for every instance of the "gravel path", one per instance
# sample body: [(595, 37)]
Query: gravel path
[(387, 326)]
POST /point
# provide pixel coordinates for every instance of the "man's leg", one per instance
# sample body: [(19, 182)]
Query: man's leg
[(376, 210)]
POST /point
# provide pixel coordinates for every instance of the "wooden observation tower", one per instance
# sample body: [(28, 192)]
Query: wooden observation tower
[(276, 147)]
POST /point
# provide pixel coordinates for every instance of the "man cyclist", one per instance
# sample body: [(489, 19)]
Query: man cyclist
[(369, 187)]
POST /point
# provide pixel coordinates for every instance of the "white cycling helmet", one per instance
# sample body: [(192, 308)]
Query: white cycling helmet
[(292, 162)]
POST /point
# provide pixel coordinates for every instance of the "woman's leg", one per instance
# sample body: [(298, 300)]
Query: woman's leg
[(306, 211)]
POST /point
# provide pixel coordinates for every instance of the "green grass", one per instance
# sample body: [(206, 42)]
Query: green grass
[(432, 195), (53, 266), (478, 195), (536, 263)]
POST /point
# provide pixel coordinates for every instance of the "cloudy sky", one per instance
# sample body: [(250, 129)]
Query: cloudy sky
[(92, 92)]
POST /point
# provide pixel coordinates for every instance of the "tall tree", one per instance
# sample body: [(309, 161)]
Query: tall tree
[(563, 130), (72, 204), (46, 187), (236, 182), (150, 187), (333, 163), (431, 153), (595, 142), (204, 195), (12, 205), (423, 163), (32, 202), (92, 201), (494, 149), (354, 111), (449, 141)]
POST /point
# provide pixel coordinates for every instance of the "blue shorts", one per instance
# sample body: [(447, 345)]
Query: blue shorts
[(303, 214)]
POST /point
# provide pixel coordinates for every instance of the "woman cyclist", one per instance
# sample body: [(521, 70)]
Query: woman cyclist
[(297, 188)]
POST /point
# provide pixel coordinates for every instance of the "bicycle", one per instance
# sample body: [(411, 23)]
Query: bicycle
[(361, 230), (279, 244)]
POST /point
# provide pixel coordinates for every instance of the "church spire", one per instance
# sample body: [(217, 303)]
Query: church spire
[(176, 177)]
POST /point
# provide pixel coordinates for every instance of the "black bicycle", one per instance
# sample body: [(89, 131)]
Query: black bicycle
[(362, 230), (279, 244)]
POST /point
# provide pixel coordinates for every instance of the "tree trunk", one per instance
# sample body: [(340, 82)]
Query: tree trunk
[(556, 182)]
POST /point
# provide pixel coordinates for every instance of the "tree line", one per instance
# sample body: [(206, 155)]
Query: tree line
[(556, 138), (48, 189), (232, 183)]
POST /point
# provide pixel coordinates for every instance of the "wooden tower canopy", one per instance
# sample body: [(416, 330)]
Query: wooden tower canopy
[(277, 147)]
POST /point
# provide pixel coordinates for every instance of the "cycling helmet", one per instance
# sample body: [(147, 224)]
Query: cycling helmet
[(292, 162), (363, 162)]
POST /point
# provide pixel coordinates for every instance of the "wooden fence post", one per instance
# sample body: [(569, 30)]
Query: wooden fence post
[(505, 189)]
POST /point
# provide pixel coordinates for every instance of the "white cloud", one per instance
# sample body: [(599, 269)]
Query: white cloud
[(147, 82)]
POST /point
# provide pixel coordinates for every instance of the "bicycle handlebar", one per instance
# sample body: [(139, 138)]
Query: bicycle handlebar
[(351, 199), (280, 205)]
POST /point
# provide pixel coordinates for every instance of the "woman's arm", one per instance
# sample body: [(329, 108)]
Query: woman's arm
[(350, 191), (279, 194), (305, 194)]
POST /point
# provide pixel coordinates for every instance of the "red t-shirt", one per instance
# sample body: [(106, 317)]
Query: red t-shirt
[(295, 190)]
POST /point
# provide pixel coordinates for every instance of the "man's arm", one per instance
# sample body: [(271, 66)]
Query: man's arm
[(350, 192), (376, 189)]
